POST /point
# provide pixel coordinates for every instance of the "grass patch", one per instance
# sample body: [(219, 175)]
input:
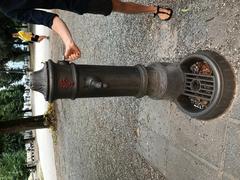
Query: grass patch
[(51, 121)]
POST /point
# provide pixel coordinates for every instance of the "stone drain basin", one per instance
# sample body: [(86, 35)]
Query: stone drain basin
[(209, 85)]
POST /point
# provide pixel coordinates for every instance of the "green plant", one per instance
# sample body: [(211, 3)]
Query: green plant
[(12, 166)]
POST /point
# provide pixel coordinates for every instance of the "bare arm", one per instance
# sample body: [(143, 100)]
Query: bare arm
[(72, 52), (50, 20)]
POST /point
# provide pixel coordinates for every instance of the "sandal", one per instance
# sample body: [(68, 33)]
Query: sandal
[(163, 12)]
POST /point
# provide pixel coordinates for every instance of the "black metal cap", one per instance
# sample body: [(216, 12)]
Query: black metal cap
[(39, 81)]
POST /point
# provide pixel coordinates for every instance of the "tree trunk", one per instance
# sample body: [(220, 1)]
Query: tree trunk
[(22, 124)]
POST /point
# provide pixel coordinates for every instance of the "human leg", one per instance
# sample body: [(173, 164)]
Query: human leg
[(42, 38), (134, 8)]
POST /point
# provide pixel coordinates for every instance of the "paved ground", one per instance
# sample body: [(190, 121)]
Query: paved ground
[(128, 138)]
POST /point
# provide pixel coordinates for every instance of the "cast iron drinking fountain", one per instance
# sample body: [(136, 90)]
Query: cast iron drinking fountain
[(202, 84)]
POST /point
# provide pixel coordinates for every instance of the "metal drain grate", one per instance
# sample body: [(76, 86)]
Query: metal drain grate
[(199, 87), (208, 87)]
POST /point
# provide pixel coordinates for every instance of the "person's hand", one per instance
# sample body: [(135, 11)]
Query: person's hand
[(72, 52)]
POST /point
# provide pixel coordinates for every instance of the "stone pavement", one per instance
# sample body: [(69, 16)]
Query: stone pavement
[(129, 138)]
